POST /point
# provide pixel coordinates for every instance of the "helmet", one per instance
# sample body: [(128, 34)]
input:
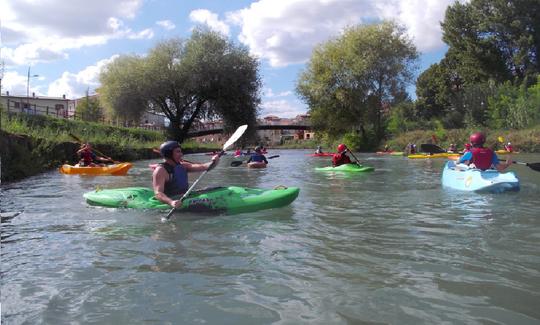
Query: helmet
[(467, 145), (258, 148), (318, 147), (478, 138), (341, 148), (509, 143), (166, 148)]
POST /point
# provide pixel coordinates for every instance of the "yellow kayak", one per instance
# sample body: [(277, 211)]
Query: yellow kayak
[(435, 155), (504, 152), (116, 170)]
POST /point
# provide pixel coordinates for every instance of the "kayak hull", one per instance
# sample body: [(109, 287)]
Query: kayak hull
[(476, 180), (347, 168), (228, 200), (257, 164), (114, 170)]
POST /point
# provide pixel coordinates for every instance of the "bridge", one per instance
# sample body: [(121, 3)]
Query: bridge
[(201, 133)]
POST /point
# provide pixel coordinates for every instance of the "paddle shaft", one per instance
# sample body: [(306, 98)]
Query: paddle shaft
[(236, 135), (357, 161), (533, 166)]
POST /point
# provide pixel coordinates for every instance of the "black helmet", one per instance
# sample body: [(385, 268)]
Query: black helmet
[(167, 148), (258, 148)]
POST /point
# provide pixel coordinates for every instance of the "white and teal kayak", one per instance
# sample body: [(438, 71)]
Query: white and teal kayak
[(463, 178)]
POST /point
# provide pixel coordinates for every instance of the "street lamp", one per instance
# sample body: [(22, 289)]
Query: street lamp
[(28, 87)]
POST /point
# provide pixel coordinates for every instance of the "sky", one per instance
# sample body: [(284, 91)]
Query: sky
[(66, 43)]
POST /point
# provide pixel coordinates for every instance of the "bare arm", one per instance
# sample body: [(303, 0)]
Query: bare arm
[(192, 167), (502, 166), (159, 177)]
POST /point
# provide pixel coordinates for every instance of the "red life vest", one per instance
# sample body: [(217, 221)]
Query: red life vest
[(87, 156), (482, 158), (340, 159)]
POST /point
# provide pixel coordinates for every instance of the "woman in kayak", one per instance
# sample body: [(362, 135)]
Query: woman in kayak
[(89, 158), (257, 156), (483, 158), (170, 177), (319, 150), (341, 158)]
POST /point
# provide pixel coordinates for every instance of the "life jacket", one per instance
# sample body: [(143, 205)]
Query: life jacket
[(482, 157), (177, 182), (340, 159), (87, 157), (256, 157)]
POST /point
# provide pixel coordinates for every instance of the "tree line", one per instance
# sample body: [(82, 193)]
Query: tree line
[(355, 84)]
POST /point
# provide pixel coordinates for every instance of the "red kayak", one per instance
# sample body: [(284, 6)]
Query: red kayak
[(324, 154)]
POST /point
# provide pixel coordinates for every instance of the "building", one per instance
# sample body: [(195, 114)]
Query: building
[(38, 105)]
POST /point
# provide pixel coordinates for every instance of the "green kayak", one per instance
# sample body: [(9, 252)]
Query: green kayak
[(346, 168), (229, 200)]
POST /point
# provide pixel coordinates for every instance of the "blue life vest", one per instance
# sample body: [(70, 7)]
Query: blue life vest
[(178, 179), (257, 158)]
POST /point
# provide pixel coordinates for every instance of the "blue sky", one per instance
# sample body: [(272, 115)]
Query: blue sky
[(66, 43)]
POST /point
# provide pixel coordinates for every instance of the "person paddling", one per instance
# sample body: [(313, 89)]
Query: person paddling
[(170, 178), (508, 147), (341, 158), (319, 150), (88, 158), (467, 148), (257, 156), (481, 157)]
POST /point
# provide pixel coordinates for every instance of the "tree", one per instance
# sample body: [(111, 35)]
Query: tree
[(203, 77), (351, 80), (494, 39), (89, 109)]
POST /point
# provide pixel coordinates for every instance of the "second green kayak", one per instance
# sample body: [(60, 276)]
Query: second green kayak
[(228, 200), (346, 168)]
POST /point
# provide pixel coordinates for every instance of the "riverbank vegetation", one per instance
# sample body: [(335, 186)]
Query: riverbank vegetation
[(355, 84)]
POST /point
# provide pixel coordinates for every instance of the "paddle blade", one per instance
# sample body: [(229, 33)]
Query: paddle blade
[(501, 139), (534, 166), (431, 148), (236, 135), (236, 163), (272, 157)]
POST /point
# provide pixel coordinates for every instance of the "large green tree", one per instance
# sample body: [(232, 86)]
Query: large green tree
[(351, 81), (203, 77), (494, 39)]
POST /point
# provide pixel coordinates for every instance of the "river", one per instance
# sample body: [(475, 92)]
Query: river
[(391, 246)]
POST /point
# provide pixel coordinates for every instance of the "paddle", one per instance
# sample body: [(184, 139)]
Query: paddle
[(431, 148), (93, 149), (357, 161), (237, 163), (236, 135), (533, 166)]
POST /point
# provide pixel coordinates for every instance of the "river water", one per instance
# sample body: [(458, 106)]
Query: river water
[(391, 246)]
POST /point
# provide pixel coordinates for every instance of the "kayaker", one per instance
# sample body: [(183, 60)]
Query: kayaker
[(452, 148), (508, 147), (341, 158), (170, 178), (88, 158), (483, 158), (319, 150), (386, 148), (467, 148), (257, 156)]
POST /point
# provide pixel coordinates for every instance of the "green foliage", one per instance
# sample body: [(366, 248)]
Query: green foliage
[(350, 79), (89, 109), (58, 130), (203, 77), (515, 107)]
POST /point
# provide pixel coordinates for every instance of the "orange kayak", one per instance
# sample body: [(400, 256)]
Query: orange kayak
[(116, 170)]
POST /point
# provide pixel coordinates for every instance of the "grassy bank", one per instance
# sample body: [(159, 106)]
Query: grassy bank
[(58, 130)]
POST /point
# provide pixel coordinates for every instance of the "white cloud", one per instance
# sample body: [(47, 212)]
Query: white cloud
[(74, 85), (166, 24), (203, 16), (282, 108), (268, 92), (41, 31), (285, 31), (16, 84)]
